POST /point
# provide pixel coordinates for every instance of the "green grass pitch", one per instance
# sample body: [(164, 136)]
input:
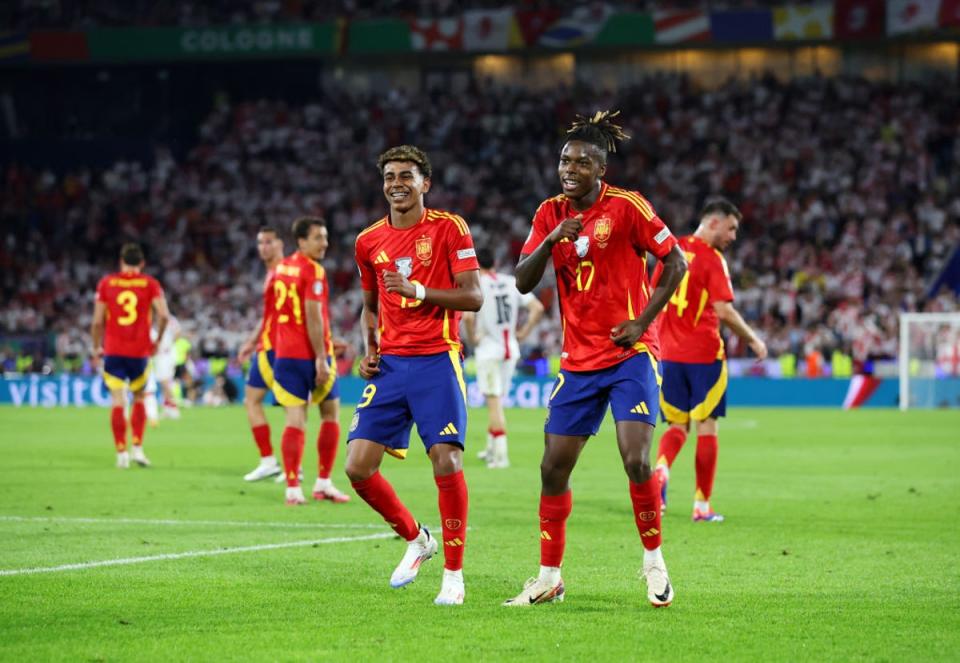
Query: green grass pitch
[(841, 542)]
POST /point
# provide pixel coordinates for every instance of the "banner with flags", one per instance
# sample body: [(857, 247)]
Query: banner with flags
[(803, 22), (490, 30), (904, 16), (577, 28), (676, 26), (14, 46), (742, 26), (438, 34), (858, 19)]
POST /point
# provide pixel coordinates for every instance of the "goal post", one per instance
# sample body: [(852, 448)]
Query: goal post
[(929, 360)]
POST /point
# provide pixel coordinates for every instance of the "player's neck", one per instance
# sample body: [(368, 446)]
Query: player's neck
[(129, 269), (408, 218), (585, 203), (703, 238), (272, 264)]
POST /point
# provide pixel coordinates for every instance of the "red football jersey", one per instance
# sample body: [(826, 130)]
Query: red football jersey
[(268, 330), (602, 276), (296, 279), (431, 253), (689, 327), (128, 297)]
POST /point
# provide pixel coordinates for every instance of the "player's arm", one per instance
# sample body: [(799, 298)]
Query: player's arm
[(246, 350), (467, 296), (313, 308), (674, 267), (731, 318), (96, 331), (531, 266), (535, 313), (161, 315), (470, 327), (369, 365)]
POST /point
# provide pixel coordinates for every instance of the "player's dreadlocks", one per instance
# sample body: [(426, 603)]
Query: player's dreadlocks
[(406, 153), (598, 130)]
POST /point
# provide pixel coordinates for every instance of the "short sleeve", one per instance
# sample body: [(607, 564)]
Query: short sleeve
[(313, 286), (368, 275), (650, 233), (538, 230), (462, 255), (718, 283)]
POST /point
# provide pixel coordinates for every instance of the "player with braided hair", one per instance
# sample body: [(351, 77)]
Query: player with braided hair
[(598, 237)]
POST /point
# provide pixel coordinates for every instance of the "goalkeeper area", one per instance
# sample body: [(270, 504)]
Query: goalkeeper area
[(929, 360), (840, 542)]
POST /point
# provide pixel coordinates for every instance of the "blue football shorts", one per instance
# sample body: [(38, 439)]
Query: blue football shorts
[(693, 391)]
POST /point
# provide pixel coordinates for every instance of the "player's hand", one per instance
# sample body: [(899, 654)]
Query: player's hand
[(567, 229), (627, 333), (369, 366), (398, 283), (340, 347), (759, 348), (246, 351), (323, 371), (95, 358)]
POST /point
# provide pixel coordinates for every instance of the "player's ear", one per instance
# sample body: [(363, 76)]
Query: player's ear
[(426, 184)]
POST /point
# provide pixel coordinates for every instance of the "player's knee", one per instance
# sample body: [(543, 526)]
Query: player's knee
[(638, 469), (554, 475), (356, 472)]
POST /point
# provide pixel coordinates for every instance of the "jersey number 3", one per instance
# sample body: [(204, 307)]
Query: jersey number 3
[(127, 300)]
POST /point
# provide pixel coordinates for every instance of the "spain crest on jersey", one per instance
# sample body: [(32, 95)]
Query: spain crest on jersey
[(601, 230), (424, 249)]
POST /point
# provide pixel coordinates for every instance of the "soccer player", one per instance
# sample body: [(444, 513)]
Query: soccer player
[(494, 336), (260, 348), (694, 365), (598, 237), (418, 270), (127, 304), (161, 374), (303, 371)]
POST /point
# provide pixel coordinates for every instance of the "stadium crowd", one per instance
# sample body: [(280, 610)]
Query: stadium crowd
[(850, 192)]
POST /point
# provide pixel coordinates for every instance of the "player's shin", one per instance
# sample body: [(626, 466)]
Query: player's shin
[(645, 498), (292, 448), (327, 444), (706, 465), (261, 435), (554, 511), (379, 494), (138, 422), (118, 423), (452, 497), (671, 442)]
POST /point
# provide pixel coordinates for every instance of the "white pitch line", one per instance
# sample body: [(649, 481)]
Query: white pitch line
[(146, 521), (194, 553)]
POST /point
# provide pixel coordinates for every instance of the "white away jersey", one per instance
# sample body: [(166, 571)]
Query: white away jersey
[(497, 319)]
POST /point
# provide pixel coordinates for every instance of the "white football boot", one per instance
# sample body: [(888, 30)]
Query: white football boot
[(123, 460), (659, 589), (295, 496), (268, 467), (419, 551), (138, 456), (451, 589), (536, 591)]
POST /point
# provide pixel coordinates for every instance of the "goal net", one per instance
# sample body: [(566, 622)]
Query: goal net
[(929, 360)]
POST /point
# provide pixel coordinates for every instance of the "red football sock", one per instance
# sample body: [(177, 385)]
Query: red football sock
[(118, 422), (554, 511), (671, 442), (646, 510), (138, 422), (496, 432), (261, 435), (291, 444), (327, 444), (706, 464), (452, 495), (378, 493)]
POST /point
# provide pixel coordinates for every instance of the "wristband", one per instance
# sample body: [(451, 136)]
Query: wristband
[(421, 292)]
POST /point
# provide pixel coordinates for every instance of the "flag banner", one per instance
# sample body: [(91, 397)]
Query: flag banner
[(441, 34), (906, 16), (742, 26), (803, 22), (577, 28), (488, 30), (676, 26), (858, 19)]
